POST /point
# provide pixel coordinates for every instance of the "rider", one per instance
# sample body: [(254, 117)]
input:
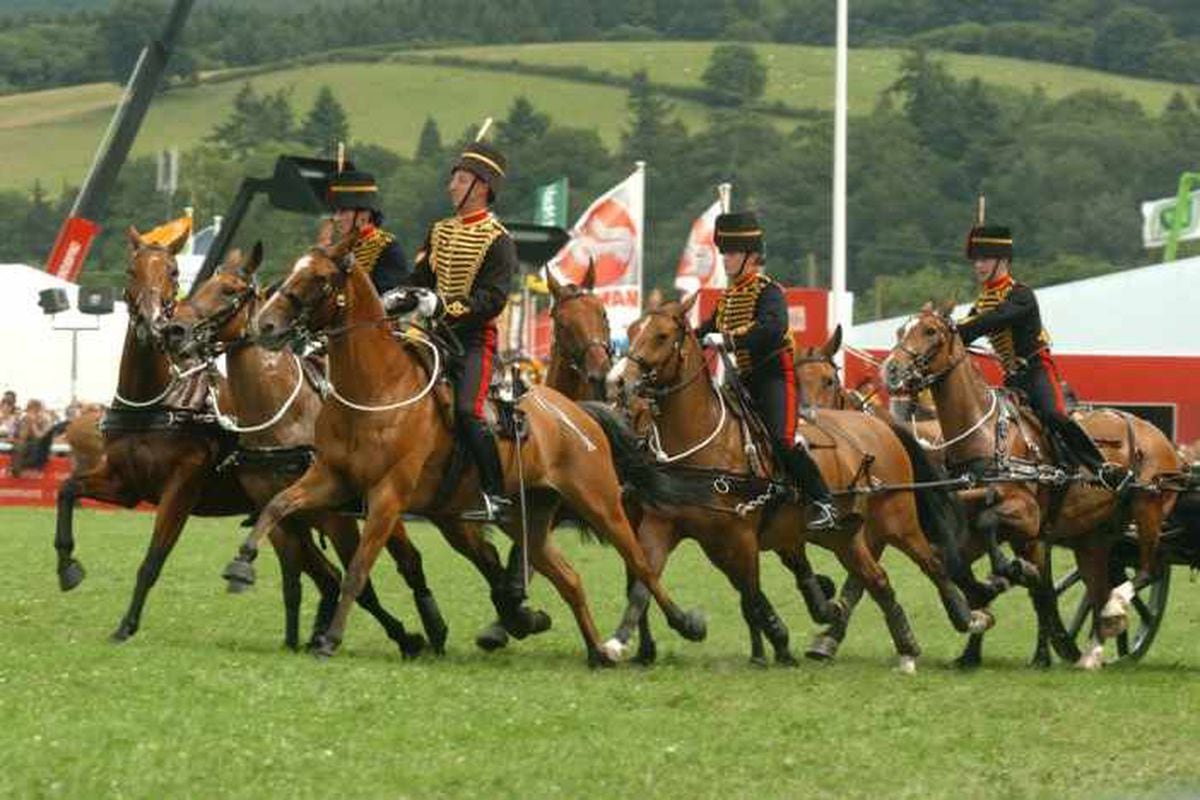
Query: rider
[(468, 261), (751, 321), (354, 198), (1007, 313)]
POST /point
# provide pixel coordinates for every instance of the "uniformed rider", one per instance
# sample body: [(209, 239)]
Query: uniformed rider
[(1006, 312), (463, 272), (751, 321), (354, 198)]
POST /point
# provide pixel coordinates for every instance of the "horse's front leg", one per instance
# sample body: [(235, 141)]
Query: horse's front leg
[(656, 535), (101, 484), (317, 488)]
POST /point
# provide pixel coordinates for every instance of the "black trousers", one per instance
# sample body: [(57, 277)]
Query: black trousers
[(471, 375), (1070, 440), (772, 388)]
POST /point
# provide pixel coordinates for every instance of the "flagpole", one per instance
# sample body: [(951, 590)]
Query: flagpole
[(725, 195), (839, 302)]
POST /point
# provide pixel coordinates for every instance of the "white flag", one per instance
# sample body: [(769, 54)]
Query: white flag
[(609, 234), (700, 264)]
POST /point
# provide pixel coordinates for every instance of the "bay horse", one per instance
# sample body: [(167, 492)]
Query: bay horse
[(580, 358), (1024, 497), (694, 430), (388, 439), (272, 390), (157, 449)]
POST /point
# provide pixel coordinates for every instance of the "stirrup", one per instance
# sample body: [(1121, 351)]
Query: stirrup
[(826, 517), (494, 509)]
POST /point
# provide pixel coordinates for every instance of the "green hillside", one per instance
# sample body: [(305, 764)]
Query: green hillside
[(52, 135)]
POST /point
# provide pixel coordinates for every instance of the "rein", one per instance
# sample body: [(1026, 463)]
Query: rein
[(176, 378), (230, 424)]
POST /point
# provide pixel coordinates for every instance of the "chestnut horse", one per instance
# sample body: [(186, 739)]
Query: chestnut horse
[(271, 390), (1002, 444), (156, 449), (694, 429), (387, 438)]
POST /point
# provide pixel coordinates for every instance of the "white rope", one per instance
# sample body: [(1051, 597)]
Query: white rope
[(656, 442), (562, 416), (935, 447), (433, 376), (230, 423), (176, 377)]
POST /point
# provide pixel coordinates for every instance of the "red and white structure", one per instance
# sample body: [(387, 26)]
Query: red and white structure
[(1128, 339)]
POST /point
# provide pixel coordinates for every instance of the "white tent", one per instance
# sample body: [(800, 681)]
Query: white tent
[(35, 358)]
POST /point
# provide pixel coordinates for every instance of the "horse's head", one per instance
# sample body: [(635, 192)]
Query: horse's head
[(152, 281), (662, 339), (818, 384), (218, 312), (311, 298), (581, 333), (927, 348)]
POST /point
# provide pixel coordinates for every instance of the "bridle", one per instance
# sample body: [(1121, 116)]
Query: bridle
[(648, 381), (299, 331), (133, 301), (575, 357), (202, 337), (914, 378), (822, 358)]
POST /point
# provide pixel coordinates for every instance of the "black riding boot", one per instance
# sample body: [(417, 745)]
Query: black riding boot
[(1082, 450), (491, 479), (812, 483)]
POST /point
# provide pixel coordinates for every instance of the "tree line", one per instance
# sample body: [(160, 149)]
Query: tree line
[(1068, 175), (1153, 38)]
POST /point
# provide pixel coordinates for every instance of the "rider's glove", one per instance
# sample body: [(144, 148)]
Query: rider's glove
[(399, 301), (715, 339), (429, 305)]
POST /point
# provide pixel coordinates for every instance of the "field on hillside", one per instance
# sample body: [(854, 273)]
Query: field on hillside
[(204, 703), (52, 135)]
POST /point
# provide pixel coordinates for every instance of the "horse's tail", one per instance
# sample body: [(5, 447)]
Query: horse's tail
[(942, 515), (637, 471)]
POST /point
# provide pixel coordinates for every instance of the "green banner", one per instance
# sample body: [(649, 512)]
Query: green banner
[(550, 204)]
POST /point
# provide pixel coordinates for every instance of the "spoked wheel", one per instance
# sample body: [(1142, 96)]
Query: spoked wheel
[(1146, 614)]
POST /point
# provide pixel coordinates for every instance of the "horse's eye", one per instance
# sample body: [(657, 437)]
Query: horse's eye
[(228, 291), (829, 381), (930, 331), (660, 337)]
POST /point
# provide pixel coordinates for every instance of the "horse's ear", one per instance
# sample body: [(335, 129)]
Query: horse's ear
[(927, 308), (343, 247), (589, 277), (135, 238), (685, 305), (256, 257), (556, 288), (947, 308), (834, 344), (233, 262)]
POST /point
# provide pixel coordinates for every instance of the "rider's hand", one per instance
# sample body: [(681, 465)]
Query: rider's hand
[(399, 301), (714, 339), (429, 305)]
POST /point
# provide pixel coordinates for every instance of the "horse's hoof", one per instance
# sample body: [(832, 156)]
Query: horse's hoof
[(615, 649), (597, 659), (1091, 660), (822, 648), (1040, 660), (758, 661), (647, 653), (493, 637), (434, 624), (411, 645), (70, 575), (786, 659), (692, 626), (981, 620), (122, 633), (291, 647), (239, 571), (907, 665), (236, 587), (324, 647), (527, 622), (965, 662)]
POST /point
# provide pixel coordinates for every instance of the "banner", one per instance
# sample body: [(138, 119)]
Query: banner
[(71, 248), (550, 204), (700, 264), (609, 234), (1157, 220)]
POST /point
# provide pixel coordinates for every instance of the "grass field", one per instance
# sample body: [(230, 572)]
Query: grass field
[(204, 703), (53, 135)]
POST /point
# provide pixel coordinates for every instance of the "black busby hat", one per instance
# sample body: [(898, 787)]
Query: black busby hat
[(353, 190), (738, 232), (485, 162), (989, 241)]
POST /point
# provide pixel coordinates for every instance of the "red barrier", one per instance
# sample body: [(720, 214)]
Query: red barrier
[(37, 487)]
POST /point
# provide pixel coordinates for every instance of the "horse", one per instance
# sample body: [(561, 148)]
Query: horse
[(157, 448), (273, 390), (819, 382), (1025, 497), (580, 358), (694, 429), (366, 447)]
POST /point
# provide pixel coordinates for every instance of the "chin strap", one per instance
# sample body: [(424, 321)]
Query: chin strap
[(467, 195)]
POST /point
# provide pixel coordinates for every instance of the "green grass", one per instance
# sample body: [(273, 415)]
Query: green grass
[(203, 702), (52, 135)]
